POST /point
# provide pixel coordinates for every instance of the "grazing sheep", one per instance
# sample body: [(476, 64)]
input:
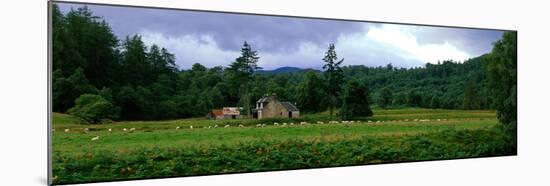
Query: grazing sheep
[(303, 123), (258, 125), (66, 130), (377, 121), (438, 119), (284, 124), (86, 130), (241, 125), (110, 130), (178, 127), (263, 125), (369, 121), (124, 129), (291, 124), (191, 127), (424, 120), (415, 119), (209, 126), (276, 124), (226, 126), (95, 138), (215, 126), (352, 121)]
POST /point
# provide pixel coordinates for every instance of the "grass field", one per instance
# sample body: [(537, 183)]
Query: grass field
[(199, 146)]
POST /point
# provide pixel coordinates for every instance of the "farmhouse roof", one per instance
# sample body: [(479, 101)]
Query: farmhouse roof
[(266, 99), (289, 106), (217, 112)]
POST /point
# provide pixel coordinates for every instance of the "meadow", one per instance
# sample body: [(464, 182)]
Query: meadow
[(198, 146)]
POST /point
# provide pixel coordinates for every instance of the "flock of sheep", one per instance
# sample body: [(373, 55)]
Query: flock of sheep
[(130, 130)]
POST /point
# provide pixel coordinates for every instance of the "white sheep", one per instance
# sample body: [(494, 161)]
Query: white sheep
[(177, 128), (284, 124), (132, 129), (124, 129), (240, 125), (369, 121), (110, 130), (263, 125), (66, 130), (215, 126), (303, 123), (258, 125), (95, 138), (276, 124), (86, 130), (291, 124), (191, 127), (226, 126)]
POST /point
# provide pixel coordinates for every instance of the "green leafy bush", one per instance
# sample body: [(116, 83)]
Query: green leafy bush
[(92, 108)]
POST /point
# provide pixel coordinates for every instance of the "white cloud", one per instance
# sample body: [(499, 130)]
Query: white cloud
[(190, 49), (404, 40), (376, 46)]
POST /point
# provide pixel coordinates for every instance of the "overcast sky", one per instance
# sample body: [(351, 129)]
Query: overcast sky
[(215, 39)]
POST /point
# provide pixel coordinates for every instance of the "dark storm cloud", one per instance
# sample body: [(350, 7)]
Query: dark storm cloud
[(216, 38), (229, 30)]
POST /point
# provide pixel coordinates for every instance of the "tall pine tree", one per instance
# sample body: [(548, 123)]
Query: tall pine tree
[(242, 71), (334, 76)]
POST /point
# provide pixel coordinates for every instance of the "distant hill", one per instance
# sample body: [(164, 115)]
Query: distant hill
[(285, 70)]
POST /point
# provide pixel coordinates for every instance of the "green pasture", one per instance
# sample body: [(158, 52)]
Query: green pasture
[(392, 135)]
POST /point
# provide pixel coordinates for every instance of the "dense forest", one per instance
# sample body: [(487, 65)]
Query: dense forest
[(133, 81)]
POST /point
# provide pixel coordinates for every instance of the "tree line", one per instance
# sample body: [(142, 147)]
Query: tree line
[(123, 79)]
